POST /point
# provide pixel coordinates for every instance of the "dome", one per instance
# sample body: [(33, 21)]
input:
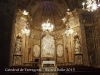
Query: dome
[(42, 10)]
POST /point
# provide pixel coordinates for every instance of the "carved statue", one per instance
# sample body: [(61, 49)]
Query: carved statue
[(18, 45)]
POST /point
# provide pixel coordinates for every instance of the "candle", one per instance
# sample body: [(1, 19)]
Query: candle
[(83, 3)]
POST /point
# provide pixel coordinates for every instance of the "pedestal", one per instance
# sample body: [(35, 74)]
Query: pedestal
[(17, 60), (78, 58)]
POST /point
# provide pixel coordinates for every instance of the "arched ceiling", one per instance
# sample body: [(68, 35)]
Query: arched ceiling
[(42, 10)]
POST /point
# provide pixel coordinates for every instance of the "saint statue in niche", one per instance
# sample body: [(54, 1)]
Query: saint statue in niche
[(77, 45), (48, 46), (18, 45)]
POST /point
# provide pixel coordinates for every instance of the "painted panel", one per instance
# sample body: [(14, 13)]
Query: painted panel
[(48, 46)]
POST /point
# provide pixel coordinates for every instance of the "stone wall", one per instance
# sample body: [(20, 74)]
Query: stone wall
[(7, 10)]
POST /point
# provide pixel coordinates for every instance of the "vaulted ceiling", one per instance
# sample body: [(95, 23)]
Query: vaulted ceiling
[(54, 10)]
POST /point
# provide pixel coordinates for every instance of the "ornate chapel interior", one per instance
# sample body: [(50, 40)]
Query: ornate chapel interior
[(52, 33)]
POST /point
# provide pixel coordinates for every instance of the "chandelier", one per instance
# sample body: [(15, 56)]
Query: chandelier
[(91, 5), (47, 26), (25, 12), (26, 30), (69, 30)]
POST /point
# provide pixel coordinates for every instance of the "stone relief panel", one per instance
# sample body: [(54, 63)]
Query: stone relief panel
[(78, 59), (36, 51), (48, 46), (59, 50), (17, 60)]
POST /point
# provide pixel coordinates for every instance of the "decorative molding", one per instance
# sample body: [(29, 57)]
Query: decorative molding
[(60, 51)]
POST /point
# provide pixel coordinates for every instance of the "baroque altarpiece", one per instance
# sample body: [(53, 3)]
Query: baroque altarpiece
[(53, 46)]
